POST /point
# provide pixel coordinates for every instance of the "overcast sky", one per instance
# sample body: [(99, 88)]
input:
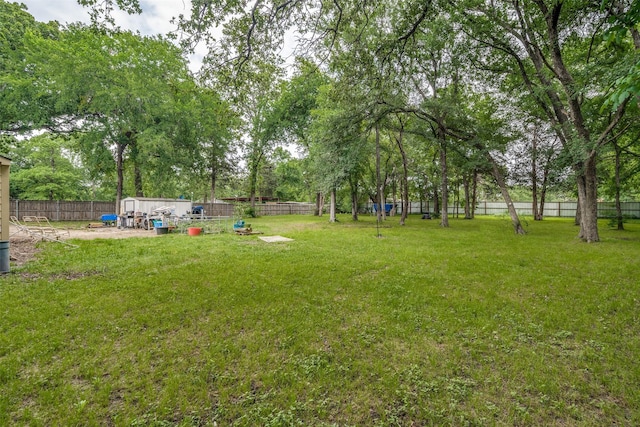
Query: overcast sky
[(155, 18)]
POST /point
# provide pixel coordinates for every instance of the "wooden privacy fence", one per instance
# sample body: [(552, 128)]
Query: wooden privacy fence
[(267, 209), (285, 209), (216, 209), (58, 210)]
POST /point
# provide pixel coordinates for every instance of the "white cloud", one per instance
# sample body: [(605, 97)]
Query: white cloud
[(63, 11), (155, 18)]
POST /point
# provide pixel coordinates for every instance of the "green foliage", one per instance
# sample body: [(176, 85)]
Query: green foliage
[(140, 114), (339, 147), (291, 181), (250, 212), (6, 142), (17, 82), (623, 34), (336, 327), (44, 169), (206, 129)]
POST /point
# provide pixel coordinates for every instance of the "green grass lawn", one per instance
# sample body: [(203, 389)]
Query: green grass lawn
[(470, 325)]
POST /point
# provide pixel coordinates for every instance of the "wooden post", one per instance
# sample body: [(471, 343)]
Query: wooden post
[(5, 211), (5, 203)]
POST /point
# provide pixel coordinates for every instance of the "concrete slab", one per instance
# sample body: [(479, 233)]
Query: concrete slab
[(273, 239)]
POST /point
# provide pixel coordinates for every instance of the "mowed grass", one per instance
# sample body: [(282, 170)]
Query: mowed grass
[(470, 325)]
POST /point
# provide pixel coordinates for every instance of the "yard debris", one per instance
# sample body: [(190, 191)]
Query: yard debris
[(246, 231)]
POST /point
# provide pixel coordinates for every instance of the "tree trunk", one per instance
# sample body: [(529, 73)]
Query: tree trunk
[(436, 200), (456, 200), (254, 166), (588, 199), (474, 193), (119, 173), (444, 190), (497, 175), (354, 206), (543, 195), (332, 209), (394, 194), (534, 177), (405, 196), (379, 194), (137, 179), (253, 186), (318, 209), (619, 218), (319, 204), (354, 199), (543, 191), (252, 190), (132, 143), (467, 196), (405, 179), (213, 177)]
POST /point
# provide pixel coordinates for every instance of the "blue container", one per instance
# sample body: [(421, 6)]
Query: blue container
[(387, 208), (109, 219)]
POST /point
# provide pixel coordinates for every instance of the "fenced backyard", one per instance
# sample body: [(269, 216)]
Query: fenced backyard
[(551, 209), (338, 326), (58, 210)]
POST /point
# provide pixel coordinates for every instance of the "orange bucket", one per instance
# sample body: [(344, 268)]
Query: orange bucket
[(194, 231)]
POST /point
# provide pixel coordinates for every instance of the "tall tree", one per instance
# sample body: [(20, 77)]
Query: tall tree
[(338, 142), (115, 87), (206, 127), (558, 77)]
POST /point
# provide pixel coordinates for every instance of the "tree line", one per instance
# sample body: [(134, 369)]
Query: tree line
[(396, 99)]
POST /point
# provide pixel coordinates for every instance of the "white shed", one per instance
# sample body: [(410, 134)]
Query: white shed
[(178, 207)]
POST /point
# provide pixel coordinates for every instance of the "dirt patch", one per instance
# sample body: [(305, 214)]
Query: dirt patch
[(109, 233), (24, 247)]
